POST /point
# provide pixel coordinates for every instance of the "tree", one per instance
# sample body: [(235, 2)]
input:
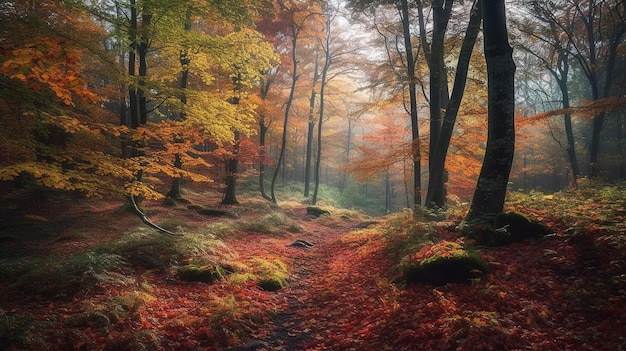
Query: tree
[(53, 129), (436, 196), (491, 188), (594, 31), (297, 14), (409, 80)]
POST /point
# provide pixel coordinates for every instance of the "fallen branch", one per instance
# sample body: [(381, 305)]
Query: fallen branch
[(145, 219)]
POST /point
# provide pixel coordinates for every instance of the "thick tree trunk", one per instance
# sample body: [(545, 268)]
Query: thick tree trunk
[(490, 191), (438, 96)]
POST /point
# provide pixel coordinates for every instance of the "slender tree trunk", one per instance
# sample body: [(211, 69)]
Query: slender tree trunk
[(232, 168), (142, 51), (132, 70), (311, 129), (344, 181), (436, 197), (438, 95), (283, 146), (263, 128), (490, 191), (176, 188), (415, 145)]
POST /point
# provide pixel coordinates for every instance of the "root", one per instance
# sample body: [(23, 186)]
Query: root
[(145, 219)]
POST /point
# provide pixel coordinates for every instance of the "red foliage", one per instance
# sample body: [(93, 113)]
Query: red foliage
[(551, 294)]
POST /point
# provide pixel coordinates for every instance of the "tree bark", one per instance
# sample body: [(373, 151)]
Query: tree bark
[(310, 130), (232, 168), (436, 196), (415, 145), (176, 188), (294, 78), (490, 192)]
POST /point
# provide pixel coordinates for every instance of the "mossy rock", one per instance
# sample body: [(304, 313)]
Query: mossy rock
[(520, 226), (316, 211), (207, 273), (443, 263), (272, 283), (507, 228)]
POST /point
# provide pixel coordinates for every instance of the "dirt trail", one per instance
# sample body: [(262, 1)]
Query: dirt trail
[(318, 306)]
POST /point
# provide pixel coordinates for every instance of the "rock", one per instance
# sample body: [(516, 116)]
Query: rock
[(315, 211), (443, 263), (301, 244)]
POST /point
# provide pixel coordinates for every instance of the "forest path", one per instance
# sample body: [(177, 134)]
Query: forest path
[(337, 292)]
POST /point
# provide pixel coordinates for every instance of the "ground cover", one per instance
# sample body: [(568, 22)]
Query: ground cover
[(88, 275)]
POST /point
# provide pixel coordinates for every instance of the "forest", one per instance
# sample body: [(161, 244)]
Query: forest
[(312, 175)]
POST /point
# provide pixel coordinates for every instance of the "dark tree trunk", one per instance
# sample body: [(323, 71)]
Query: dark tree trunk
[(490, 191), (232, 167), (263, 128), (176, 188), (142, 51), (438, 96), (436, 196), (133, 101), (415, 145)]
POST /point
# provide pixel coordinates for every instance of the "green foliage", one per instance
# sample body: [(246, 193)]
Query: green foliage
[(14, 330), (141, 340), (268, 224), (142, 247), (272, 274), (65, 275), (92, 318), (405, 234)]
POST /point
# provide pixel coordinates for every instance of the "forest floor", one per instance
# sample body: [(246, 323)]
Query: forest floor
[(88, 275)]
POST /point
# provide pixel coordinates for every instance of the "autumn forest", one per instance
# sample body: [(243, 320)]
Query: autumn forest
[(312, 175)]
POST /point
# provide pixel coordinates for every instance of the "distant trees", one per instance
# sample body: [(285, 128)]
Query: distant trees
[(583, 38)]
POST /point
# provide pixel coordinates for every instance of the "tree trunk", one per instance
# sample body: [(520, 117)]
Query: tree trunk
[(436, 196), (142, 51), (415, 145), (263, 128), (132, 62), (490, 191), (310, 130), (294, 78), (176, 188), (232, 165)]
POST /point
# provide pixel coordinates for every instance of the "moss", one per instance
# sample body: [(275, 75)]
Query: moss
[(443, 263), (207, 273), (506, 228), (272, 283)]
